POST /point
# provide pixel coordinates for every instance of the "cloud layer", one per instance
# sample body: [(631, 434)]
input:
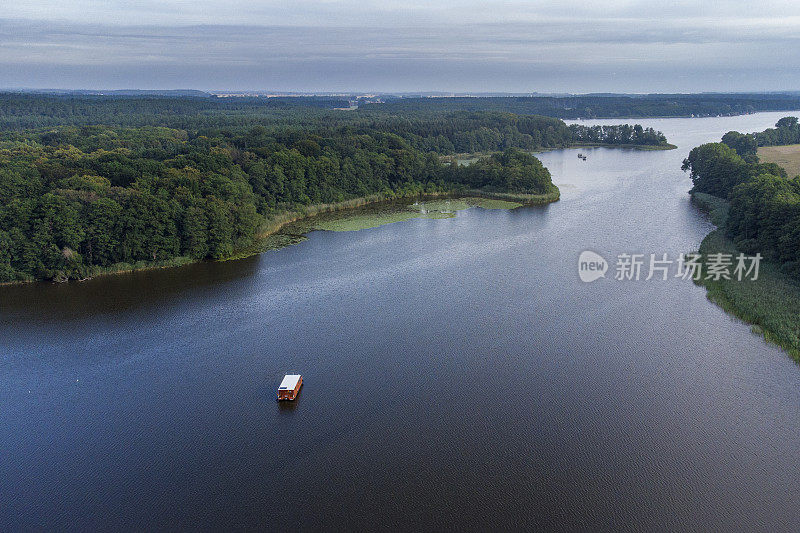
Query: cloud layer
[(456, 46)]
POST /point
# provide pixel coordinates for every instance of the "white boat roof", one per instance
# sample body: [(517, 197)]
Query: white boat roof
[(289, 381)]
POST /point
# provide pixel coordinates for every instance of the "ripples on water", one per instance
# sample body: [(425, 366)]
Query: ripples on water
[(457, 375)]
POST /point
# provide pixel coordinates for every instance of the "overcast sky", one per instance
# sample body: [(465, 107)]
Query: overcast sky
[(366, 45)]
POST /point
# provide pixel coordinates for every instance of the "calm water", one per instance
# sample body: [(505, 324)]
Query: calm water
[(457, 375)]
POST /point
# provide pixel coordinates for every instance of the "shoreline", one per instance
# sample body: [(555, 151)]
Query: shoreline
[(273, 227), (770, 305), (642, 147)]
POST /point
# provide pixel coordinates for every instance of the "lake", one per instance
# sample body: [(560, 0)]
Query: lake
[(457, 375)]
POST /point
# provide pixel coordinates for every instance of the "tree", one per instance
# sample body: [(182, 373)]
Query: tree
[(787, 122), (743, 144), (102, 232), (195, 233), (715, 169), (220, 233)]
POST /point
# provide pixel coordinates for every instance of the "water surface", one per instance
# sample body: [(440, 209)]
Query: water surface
[(457, 375)]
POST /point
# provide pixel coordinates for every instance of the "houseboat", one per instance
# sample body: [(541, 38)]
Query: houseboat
[(290, 386)]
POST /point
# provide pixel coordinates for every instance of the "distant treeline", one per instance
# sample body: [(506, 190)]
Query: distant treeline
[(461, 132), (32, 110), (26, 110), (606, 106), (428, 131), (764, 213)]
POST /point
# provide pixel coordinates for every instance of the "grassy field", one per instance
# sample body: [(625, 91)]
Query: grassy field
[(771, 304), (786, 156)]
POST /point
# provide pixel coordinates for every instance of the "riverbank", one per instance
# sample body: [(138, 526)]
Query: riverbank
[(469, 157), (771, 304), (117, 268), (271, 236), (641, 147)]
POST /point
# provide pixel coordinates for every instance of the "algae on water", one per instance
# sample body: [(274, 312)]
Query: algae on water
[(355, 222), (372, 218), (457, 204)]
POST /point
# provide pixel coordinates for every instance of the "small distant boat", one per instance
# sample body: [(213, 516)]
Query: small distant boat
[(290, 386), (581, 156)]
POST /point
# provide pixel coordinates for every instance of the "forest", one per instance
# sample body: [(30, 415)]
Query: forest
[(764, 212), (77, 199), (195, 110), (607, 105)]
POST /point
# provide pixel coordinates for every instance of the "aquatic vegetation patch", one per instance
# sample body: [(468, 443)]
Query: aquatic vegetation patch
[(438, 208), (450, 205), (355, 222)]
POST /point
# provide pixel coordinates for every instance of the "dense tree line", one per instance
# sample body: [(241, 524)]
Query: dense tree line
[(21, 111), (716, 169), (458, 132), (76, 199), (764, 216), (764, 213), (786, 131), (606, 106), (512, 170), (617, 134)]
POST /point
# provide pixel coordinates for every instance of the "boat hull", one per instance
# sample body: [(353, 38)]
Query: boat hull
[(290, 394)]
